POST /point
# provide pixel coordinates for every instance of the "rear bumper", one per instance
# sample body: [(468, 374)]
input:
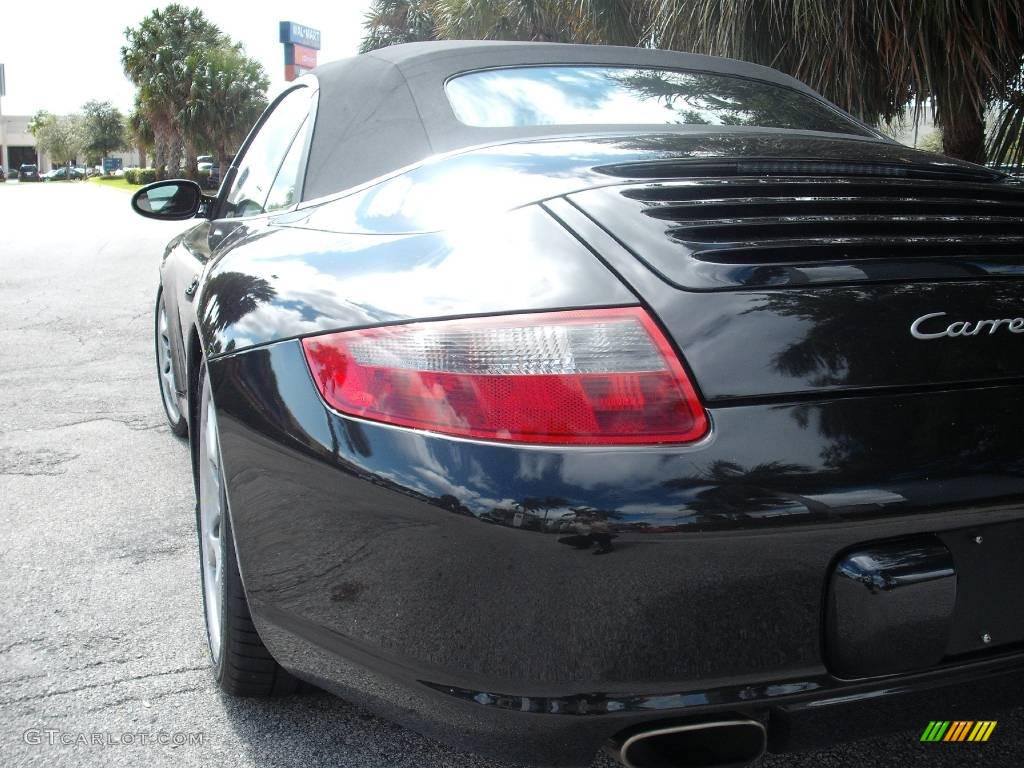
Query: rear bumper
[(458, 587), (798, 715), (973, 692)]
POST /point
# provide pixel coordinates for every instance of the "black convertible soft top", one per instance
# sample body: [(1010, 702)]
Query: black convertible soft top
[(387, 109)]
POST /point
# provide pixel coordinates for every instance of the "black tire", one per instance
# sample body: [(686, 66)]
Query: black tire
[(242, 666), (175, 418), (245, 666)]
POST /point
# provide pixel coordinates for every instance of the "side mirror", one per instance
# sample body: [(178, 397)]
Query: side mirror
[(172, 200)]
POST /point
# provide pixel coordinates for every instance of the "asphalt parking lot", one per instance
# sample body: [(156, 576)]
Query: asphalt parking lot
[(100, 623)]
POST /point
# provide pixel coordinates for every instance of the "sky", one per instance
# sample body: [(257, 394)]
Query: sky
[(58, 54)]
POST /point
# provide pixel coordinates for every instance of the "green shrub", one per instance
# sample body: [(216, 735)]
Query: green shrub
[(140, 175)]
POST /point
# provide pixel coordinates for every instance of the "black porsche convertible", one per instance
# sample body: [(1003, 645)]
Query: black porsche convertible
[(546, 397)]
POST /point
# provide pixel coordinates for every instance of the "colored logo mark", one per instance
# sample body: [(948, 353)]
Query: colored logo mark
[(959, 730)]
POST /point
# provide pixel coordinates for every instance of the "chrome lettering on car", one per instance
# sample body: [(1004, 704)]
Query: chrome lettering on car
[(962, 327)]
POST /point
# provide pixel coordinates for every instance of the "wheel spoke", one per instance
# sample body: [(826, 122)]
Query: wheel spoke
[(212, 508), (168, 391), (212, 449), (212, 545)]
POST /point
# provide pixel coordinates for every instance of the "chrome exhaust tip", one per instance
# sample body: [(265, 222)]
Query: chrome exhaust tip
[(716, 744)]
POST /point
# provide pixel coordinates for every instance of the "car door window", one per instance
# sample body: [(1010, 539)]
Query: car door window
[(283, 194), (265, 154)]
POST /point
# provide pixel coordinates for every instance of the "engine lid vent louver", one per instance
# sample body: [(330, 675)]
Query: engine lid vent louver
[(743, 232)]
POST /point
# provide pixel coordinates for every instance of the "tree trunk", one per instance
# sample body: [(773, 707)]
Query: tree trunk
[(191, 165), (963, 129), (142, 156), (174, 159), (160, 155)]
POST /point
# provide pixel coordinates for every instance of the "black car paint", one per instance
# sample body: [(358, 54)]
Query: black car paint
[(294, 283), (369, 546), (466, 194), (421, 574)]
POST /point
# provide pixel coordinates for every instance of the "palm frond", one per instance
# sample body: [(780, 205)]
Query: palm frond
[(1006, 140)]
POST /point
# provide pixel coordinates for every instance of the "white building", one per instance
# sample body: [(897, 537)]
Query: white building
[(18, 146)]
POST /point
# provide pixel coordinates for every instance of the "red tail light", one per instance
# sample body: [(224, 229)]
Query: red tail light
[(595, 377)]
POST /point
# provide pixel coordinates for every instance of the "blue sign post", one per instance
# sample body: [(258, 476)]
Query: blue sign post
[(300, 46)]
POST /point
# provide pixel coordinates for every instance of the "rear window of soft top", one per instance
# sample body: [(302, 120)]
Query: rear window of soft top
[(611, 95)]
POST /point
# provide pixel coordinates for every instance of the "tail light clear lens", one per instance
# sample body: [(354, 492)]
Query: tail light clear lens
[(594, 377)]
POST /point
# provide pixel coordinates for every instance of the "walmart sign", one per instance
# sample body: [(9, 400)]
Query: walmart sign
[(299, 34)]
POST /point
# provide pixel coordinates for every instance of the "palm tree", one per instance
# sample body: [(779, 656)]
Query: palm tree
[(389, 22), (226, 97), (160, 116), (869, 57), (542, 20), (615, 22), (154, 59)]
